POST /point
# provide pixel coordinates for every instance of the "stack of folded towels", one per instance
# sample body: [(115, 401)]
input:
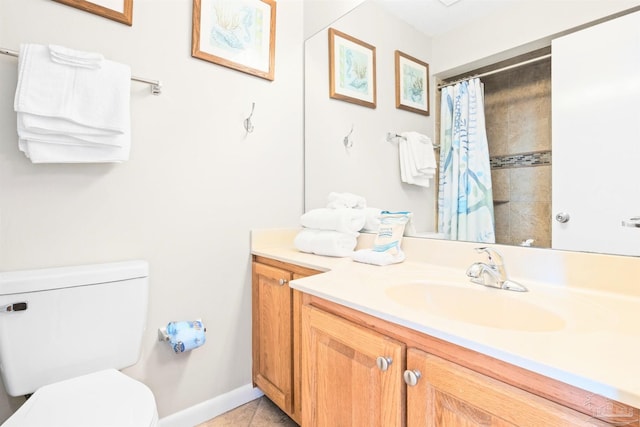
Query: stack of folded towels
[(334, 230), (417, 159), (72, 106)]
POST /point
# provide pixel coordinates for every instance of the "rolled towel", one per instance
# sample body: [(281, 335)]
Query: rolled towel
[(369, 256), (344, 220), (346, 200), (325, 242), (372, 219)]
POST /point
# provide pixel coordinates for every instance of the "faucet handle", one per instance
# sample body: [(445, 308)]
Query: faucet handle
[(494, 256)]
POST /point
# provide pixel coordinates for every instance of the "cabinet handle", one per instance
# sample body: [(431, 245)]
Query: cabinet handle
[(411, 377), (383, 362), (283, 281)]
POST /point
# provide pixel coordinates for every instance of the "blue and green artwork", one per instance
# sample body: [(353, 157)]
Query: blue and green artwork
[(413, 88), (353, 70)]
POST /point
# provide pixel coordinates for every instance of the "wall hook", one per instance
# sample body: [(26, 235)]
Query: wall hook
[(248, 126), (347, 141)]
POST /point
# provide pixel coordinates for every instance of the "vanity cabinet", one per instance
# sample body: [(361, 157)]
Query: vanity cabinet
[(447, 394), (352, 376), (353, 366), (276, 332)]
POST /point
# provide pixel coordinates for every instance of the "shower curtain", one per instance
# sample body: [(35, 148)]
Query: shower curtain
[(465, 200)]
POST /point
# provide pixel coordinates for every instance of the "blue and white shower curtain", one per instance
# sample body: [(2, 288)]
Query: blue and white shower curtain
[(465, 199)]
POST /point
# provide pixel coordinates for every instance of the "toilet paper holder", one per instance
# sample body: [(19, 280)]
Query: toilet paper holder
[(164, 336)]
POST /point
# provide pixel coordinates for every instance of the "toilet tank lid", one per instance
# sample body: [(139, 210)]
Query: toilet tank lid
[(43, 279)]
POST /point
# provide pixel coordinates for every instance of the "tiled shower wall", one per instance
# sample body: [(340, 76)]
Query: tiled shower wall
[(518, 120)]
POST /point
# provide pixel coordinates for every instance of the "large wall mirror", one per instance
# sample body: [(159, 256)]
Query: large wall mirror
[(351, 148)]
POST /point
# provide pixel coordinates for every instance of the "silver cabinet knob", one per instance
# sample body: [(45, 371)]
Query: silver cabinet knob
[(562, 217), (383, 362), (283, 282), (411, 377)]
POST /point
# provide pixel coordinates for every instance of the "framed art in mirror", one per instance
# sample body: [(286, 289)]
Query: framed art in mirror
[(118, 10), (237, 34), (352, 69), (412, 84)]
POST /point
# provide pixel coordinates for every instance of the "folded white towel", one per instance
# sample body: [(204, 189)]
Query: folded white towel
[(372, 221), (369, 256), (76, 58), (93, 98), (46, 152), (72, 106), (417, 159), (344, 220), (346, 200), (325, 242)]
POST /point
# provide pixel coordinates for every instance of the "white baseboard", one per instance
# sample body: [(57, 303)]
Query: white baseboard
[(211, 408)]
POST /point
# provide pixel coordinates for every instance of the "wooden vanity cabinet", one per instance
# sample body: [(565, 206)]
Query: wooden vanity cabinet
[(351, 376), (342, 384), (447, 394), (276, 332)]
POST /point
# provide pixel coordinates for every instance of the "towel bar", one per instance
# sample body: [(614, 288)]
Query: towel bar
[(156, 86), (391, 136)]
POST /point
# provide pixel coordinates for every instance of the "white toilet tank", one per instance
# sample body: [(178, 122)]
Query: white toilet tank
[(59, 323)]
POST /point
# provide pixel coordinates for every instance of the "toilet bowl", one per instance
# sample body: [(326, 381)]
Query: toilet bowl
[(106, 398)]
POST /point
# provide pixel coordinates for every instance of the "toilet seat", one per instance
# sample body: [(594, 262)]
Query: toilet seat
[(106, 398)]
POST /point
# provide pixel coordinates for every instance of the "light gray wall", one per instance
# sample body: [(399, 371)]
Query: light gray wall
[(185, 201)]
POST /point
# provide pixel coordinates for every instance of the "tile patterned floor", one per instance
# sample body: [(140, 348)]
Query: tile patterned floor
[(257, 413)]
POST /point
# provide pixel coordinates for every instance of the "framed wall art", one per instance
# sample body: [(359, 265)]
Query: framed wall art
[(412, 84), (352, 69), (238, 34), (118, 10)]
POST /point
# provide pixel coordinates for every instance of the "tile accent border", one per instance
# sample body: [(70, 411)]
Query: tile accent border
[(522, 160)]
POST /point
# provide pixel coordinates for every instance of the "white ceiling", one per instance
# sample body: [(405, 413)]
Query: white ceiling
[(432, 17)]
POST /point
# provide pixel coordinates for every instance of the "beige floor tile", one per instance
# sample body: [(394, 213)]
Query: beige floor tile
[(257, 413)]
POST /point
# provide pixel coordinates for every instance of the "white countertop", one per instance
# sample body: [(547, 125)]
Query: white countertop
[(584, 337)]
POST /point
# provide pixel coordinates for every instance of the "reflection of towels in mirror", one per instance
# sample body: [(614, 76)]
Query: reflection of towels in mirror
[(417, 159), (345, 200)]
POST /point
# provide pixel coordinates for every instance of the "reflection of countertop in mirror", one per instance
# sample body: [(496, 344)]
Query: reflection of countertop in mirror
[(577, 324)]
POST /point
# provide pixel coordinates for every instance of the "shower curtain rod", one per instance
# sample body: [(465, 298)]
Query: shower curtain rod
[(156, 87), (488, 73)]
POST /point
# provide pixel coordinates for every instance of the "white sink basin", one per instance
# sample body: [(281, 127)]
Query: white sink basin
[(478, 305)]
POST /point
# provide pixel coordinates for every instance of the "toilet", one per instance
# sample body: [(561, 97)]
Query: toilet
[(64, 334)]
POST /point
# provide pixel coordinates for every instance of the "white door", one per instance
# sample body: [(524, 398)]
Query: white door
[(596, 137)]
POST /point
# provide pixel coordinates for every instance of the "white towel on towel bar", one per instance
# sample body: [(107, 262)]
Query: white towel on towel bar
[(417, 159), (72, 106), (96, 99)]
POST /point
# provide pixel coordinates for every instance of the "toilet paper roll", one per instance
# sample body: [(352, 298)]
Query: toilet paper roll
[(186, 335)]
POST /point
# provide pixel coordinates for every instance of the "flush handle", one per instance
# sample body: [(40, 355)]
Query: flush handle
[(16, 306), (562, 217), (632, 222)]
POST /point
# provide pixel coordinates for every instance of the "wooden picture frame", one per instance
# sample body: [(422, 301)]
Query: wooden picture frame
[(412, 84), (237, 34), (352, 69), (117, 10)]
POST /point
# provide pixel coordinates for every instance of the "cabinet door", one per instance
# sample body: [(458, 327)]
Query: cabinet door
[(342, 383), (449, 395), (272, 334)]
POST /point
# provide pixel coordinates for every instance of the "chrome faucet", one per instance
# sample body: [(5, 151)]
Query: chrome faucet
[(492, 274)]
